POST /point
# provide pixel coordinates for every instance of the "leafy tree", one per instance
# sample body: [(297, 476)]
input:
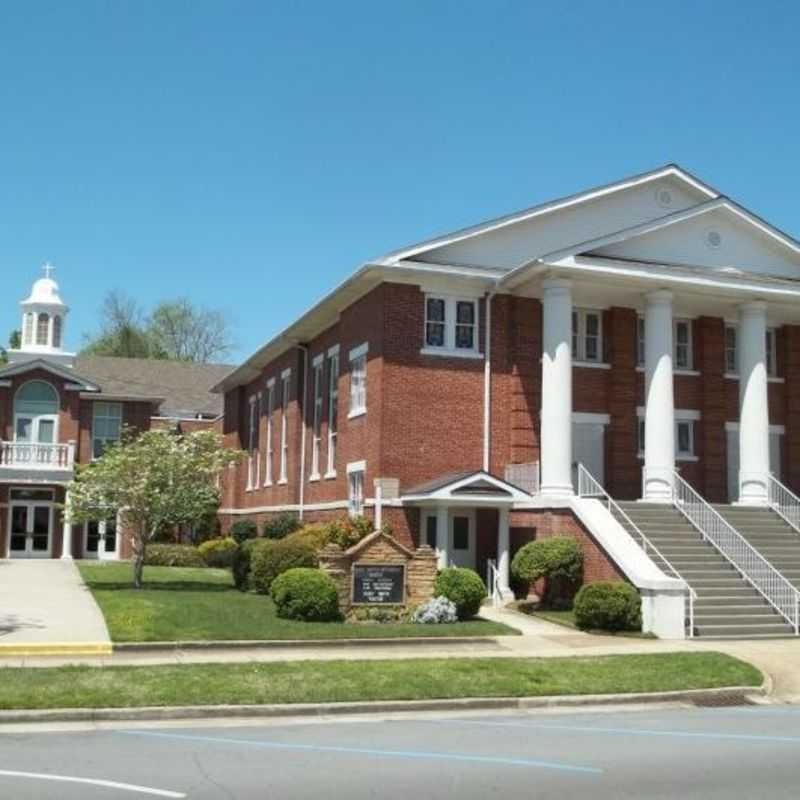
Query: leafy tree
[(155, 479), (15, 339), (123, 330), (185, 332)]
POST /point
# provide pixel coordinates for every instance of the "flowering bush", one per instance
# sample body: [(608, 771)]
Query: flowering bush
[(436, 611)]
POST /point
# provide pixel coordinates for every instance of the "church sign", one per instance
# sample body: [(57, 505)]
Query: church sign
[(374, 584)]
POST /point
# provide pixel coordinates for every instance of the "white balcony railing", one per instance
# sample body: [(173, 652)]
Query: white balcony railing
[(524, 476), (37, 456)]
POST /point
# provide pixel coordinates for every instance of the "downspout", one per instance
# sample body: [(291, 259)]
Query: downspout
[(301, 497), (487, 384)]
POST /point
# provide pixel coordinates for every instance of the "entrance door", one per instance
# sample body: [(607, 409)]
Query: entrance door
[(30, 529), (588, 448), (462, 538), (100, 540)]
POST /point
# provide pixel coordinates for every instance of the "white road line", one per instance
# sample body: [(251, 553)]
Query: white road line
[(123, 787)]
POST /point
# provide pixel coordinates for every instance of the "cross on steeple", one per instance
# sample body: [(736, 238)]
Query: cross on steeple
[(48, 269)]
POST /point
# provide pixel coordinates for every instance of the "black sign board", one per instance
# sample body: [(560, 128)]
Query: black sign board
[(378, 583)]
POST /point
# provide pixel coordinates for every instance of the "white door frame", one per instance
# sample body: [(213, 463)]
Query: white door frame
[(600, 421), (101, 554), (29, 552), (35, 420), (462, 558)]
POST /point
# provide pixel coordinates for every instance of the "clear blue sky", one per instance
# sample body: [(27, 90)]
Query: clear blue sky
[(251, 155)]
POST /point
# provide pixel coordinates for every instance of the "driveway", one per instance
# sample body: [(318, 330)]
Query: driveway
[(46, 607)]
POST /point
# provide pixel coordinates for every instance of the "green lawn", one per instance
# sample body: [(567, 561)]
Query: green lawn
[(338, 681), (567, 619), (182, 604)]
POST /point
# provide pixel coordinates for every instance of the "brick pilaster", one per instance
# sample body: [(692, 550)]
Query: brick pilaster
[(710, 441), (791, 371)]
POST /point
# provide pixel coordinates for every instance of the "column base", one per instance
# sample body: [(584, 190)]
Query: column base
[(753, 490), (658, 485), (506, 595), (67, 557), (557, 490)]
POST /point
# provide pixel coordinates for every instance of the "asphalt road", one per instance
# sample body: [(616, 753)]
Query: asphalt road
[(748, 752)]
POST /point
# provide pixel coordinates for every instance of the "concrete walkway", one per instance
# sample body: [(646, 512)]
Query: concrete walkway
[(45, 607)]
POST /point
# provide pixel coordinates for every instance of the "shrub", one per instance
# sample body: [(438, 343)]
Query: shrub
[(275, 557), (243, 529), (347, 531), (315, 536), (173, 555), (558, 558), (464, 587), (306, 594), (241, 564), (281, 526), (218, 552), (436, 611), (608, 606)]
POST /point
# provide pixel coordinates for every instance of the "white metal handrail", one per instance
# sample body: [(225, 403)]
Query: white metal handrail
[(494, 584), (37, 455), (589, 486), (784, 502), (754, 568), (524, 476)]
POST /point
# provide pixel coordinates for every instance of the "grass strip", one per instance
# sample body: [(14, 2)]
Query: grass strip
[(339, 681)]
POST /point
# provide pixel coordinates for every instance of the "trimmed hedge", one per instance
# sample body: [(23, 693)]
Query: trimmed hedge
[(243, 529), (242, 561), (554, 557), (275, 557), (608, 606), (281, 526), (306, 594), (173, 555), (218, 552), (463, 587)]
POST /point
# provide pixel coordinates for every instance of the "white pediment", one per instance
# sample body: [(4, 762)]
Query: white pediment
[(717, 235)]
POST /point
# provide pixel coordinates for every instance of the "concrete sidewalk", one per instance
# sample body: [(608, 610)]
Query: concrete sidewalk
[(46, 608)]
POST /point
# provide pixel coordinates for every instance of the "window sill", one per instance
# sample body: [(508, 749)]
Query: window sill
[(734, 376), (688, 372), (592, 364), (267, 484), (314, 476), (283, 481), (446, 352), (683, 458), (358, 412), (331, 473)]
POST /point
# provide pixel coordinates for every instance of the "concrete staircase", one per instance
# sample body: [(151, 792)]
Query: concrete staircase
[(775, 539), (726, 605)]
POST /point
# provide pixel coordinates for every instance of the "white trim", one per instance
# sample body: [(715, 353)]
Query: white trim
[(318, 359), (359, 351), (734, 376), (591, 364), (685, 414), (287, 373), (333, 350), (330, 474), (5, 383), (356, 466), (686, 373), (584, 417), (450, 323), (578, 335), (359, 412), (446, 353), (270, 383), (778, 430)]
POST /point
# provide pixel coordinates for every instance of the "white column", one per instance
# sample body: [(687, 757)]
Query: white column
[(442, 534), (66, 545), (753, 405), (659, 420), (556, 416), (503, 556)]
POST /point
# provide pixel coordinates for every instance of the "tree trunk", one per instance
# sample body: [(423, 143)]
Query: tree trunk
[(138, 568)]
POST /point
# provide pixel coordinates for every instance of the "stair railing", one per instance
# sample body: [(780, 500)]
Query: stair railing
[(754, 568), (589, 486), (784, 502)]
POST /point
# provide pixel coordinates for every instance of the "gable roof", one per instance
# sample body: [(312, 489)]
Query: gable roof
[(62, 371), (182, 389), (475, 486)]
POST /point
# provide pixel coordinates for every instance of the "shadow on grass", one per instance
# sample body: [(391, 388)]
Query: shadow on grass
[(166, 586)]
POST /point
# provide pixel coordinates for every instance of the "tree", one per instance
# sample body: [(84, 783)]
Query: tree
[(185, 332), (14, 343), (123, 329), (154, 479)]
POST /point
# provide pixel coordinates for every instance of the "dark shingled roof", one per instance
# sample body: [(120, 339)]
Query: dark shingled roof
[(184, 387), (429, 487)]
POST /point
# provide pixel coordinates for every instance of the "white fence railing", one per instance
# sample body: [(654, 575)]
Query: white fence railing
[(588, 486), (493, 584), (754, 568), (34, 455), (784, 502), (524, 476)]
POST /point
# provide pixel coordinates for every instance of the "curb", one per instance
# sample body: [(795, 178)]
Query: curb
[(731, 695), (269, 644), (56, 649)]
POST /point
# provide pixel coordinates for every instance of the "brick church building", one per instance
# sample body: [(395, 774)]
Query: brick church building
[(614, 365)]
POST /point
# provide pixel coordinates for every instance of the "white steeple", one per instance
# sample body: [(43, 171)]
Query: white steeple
[(43, 315)]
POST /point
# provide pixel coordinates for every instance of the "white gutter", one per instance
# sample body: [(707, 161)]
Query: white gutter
[(301, 497), (487, 385)]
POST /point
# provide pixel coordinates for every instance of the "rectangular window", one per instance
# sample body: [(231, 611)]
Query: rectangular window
[(333, 410), (682, 345), (772, 353), (270, 408), (460, 533), (252, 445), (355, 488), (286, 379), (430, 531), (640, 431), (316, 425), (451, 323), (731, 357), (106, 426), (586, 335), (640, 341), (358, 380)]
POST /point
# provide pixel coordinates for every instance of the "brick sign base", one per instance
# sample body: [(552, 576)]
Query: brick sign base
[(381, 550)]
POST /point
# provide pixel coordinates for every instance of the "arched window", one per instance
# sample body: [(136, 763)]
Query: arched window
[(56, 331), (36, 397), (27, 332), (42, 328)]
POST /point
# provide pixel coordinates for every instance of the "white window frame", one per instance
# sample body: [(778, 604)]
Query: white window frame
[(683, 416), (579, 335), (770, 350), (356, 481), (689, 344), (318, 370), (450, 323), (252, 481), (95, 406), (640, 342), (286, 383), (358, 380), (270, 411), (333, 401), (732, 349)]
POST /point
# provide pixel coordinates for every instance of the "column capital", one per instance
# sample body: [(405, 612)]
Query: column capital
[(549, 284), (660, 297), (753, 308)]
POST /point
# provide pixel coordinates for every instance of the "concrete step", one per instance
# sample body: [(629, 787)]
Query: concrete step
[(745, 631)]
